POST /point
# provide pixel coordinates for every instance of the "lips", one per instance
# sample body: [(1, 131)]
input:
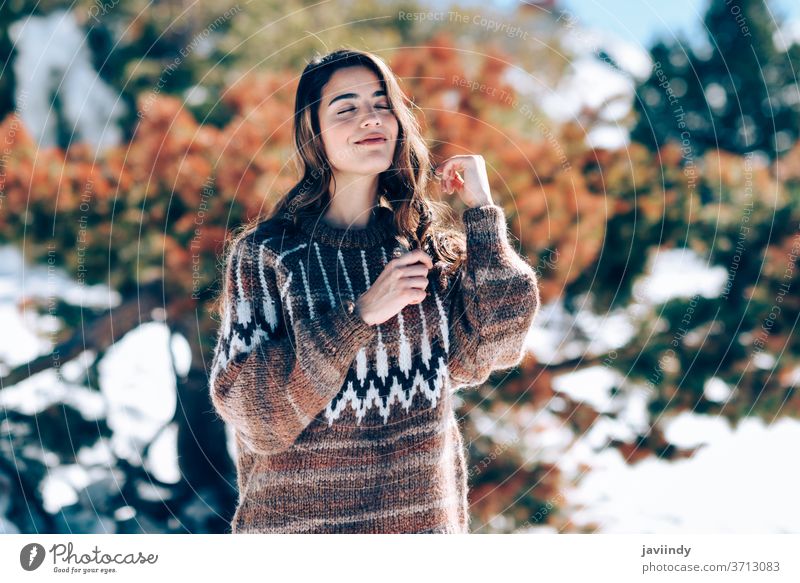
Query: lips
[(372, 139)]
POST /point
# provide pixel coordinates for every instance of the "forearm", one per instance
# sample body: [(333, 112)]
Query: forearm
[(496, 301), (272, 395)]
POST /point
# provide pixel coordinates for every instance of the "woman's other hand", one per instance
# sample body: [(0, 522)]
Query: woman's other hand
[(473, 187), (403, 281)]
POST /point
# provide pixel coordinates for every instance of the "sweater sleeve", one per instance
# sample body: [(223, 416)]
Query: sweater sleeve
[(494, 301), (270, 376)]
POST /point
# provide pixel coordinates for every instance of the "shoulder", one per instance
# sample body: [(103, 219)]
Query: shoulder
[(267, 238), (261, 249), (275, 235)]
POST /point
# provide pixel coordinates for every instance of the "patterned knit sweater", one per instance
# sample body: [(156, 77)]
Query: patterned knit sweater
[(346, 427)]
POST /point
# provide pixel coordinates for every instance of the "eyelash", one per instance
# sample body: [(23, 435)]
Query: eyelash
[(352, 108)]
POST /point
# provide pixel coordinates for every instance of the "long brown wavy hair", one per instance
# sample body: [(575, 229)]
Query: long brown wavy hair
[(423, 222)]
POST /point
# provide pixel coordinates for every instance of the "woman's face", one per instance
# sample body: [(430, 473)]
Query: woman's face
[(353, 106)]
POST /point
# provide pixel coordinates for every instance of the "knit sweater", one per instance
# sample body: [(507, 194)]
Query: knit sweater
[(345, 427)]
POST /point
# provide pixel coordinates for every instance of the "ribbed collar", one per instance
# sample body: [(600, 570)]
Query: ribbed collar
[(380, 228)]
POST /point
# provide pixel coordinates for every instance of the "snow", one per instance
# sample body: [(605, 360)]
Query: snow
[(51, 55), (136, 378), (705, 493), (721, 489), (588, 385), (695, 277), (138, 391), (551, 340)]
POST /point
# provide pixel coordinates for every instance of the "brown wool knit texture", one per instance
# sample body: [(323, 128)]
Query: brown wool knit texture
[(346, 427)]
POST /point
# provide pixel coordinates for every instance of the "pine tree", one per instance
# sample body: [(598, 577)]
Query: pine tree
[(737, 93)]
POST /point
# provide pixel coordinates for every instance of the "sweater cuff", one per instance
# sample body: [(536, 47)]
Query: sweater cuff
[(485, 224)]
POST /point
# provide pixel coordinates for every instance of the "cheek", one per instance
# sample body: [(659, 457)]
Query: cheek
[(340, 132), (334, 138)]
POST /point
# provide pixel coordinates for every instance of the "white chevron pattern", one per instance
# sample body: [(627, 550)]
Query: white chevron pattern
[(431, 389), (402, 387)]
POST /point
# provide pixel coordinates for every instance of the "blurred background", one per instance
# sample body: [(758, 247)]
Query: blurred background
[(646, 155)]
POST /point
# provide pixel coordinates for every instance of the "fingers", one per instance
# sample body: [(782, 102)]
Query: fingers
[(450, 179), (415, 256), (442, 171), (413, 270), (420, 298), (416, 282), (416, 296), (458, 158), (453, 179)]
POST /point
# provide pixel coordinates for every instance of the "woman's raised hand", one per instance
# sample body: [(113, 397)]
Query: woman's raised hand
[(473, 187), (403, 281)]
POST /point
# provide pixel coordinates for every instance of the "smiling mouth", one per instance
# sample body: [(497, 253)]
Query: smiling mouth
[(371, 141)]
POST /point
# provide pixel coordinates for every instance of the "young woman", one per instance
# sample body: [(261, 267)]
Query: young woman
[(351, 314)]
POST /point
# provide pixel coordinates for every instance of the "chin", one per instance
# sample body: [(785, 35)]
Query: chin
[(370, 168)]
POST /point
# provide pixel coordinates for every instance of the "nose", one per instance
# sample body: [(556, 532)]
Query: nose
[(371, 116)]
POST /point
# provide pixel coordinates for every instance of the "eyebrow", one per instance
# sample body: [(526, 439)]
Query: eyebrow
[(378, 93)]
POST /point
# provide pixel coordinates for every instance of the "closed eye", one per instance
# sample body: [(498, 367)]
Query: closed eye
[(353, 109)]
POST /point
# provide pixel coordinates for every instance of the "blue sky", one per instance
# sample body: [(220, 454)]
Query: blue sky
[(640, 21)]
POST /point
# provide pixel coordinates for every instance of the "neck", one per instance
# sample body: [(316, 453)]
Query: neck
[(353, 198)]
